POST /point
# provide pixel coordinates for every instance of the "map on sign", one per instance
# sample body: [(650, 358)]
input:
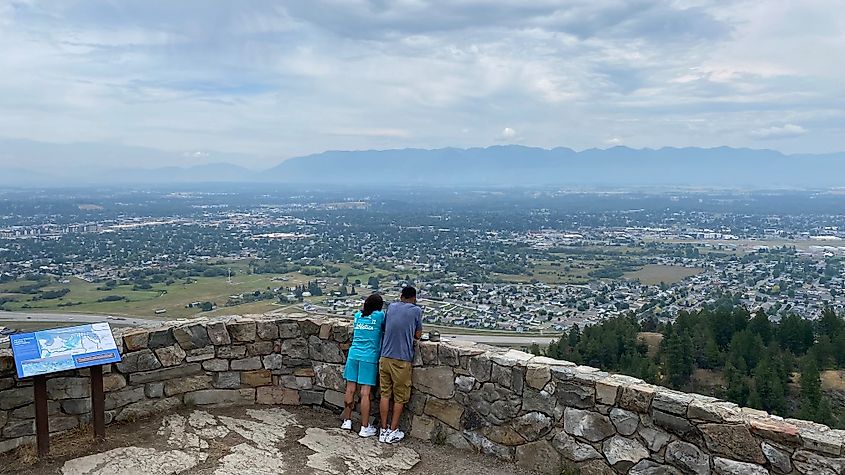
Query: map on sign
[(62, 349)]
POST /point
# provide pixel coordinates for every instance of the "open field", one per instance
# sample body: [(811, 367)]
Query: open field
[(173, 298), (653, 274), (744, 246)]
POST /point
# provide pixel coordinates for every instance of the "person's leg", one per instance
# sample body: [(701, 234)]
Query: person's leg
[(401, 397), (384, 412), (397, 413), (365, 405), (386, 390), (350, 374), (349, 400)]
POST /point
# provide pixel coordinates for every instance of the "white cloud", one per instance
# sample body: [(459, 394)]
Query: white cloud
[(281, 80), (508, 134), (779, 132)]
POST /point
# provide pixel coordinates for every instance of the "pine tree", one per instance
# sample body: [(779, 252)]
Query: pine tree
[(678, 362), (574, 336), (768, 389), (824, 413), (812, 407), (737, 386)]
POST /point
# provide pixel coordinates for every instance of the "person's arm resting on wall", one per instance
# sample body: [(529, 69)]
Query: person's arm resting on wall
[(418, 328)]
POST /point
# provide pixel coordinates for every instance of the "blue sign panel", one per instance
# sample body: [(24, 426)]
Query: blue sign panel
[(62, 349)]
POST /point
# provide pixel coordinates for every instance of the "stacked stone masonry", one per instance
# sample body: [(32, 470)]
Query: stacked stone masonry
[(544, 414)]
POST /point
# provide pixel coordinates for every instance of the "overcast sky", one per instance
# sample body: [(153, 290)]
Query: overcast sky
[(280, 79)]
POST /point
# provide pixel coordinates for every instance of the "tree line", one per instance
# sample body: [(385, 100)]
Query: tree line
[(770, 365)]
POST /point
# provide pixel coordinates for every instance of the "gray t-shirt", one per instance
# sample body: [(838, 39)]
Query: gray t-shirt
[(403, 320)]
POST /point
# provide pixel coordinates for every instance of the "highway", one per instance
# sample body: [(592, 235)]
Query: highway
[(503, 339), (75, 318)]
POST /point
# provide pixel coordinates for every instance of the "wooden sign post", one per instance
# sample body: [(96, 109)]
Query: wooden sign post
[(44, 352), (42, 425), (98, 403)]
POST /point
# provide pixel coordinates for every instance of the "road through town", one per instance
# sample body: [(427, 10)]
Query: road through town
[(13, 317)]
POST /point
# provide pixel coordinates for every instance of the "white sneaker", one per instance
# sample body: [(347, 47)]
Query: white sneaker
[(368, 431), (347, 425), (382, 435), (394, 436)]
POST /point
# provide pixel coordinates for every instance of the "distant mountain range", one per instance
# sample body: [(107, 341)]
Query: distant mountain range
[(518, 165), (497, 165)]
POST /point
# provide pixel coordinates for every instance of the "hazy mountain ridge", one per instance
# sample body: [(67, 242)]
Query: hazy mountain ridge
[(501, 165), (495, 165)]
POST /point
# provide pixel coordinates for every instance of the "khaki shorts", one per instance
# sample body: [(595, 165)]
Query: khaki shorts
[(395, 377)]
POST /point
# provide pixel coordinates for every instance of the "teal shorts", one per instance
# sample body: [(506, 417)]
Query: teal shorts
[(361, 372)]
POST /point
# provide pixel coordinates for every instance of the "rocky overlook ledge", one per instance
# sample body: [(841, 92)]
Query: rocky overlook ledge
[(544, 414)]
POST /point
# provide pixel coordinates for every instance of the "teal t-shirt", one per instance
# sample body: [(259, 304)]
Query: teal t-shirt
[(366, 337)]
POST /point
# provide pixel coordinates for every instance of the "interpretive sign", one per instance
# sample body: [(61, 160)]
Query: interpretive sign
[(62, 349)]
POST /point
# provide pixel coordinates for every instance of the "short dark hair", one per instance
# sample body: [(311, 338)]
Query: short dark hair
[(409, 292), (373, 303)]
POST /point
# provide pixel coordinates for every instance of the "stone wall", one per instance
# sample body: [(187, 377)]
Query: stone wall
[(545, 414)]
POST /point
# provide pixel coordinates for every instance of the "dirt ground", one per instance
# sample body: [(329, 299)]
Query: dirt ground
[(434, 459)]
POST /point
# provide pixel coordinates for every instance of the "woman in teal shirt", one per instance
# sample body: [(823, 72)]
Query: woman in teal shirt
[(362, 362)]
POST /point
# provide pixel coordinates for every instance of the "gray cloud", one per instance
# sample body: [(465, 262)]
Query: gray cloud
[(269, 81)]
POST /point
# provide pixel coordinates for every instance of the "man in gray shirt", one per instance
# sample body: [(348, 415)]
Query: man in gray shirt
[(402, 325)]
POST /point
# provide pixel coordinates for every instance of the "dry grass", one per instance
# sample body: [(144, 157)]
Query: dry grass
[(707, 378), (69, 443), (833, 380), (654, 274), (652, 339)]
